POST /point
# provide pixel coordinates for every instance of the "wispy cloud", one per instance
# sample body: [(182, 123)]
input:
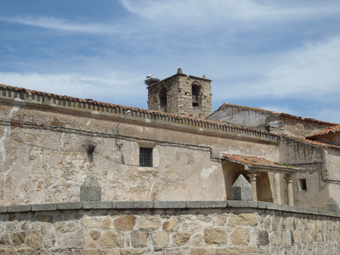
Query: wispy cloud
[(61, 24), (112, 87), (196, 12), (310, 72)]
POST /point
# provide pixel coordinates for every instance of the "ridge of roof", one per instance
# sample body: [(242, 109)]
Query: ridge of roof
[(303, 139), (326, 131), (256, 161), (280, 114), (136, 109)]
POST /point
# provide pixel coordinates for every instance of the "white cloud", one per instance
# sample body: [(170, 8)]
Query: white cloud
[(311, 72), (62, 24), (195, 12), (115, 87)]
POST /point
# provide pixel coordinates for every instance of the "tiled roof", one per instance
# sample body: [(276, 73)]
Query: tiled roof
[(302, 139), (214, 124), (256, 161), (279, 114), (326, 131)]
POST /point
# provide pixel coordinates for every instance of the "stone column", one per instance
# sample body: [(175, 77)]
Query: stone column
[(252, 178), (289, 179)]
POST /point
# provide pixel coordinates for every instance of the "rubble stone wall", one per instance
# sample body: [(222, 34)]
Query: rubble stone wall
[(172, 228)]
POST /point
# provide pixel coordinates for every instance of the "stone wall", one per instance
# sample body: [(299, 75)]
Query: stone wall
[(43, 156), (172, 228), (268, 120), (179, 95)]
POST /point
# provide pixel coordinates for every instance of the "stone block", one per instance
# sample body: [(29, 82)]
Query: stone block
[(3, 209), (20, 208), (242, 204), (169, 204), (125, 222), (215, 236), (90, 190), (44, 207), (242, 189), (271, 206), (332, 205), (96, 205), (69, 206), (132, 204), (206, 204)]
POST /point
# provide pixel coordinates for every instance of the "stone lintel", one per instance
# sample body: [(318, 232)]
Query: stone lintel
[(169, 204), (96, 205), (3, 209), (44, 207), (19, 208), (132, 204), (207, 204), (69, 206)]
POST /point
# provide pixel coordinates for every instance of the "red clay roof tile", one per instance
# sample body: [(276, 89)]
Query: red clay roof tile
[(326, 131), (256, 161)]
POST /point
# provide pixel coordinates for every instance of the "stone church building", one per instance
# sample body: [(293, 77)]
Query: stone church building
[(79, 176), (177, 150)]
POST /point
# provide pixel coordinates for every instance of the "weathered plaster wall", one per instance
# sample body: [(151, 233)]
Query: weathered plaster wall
[(260, 119), (177, 231), (44, 159), (310, 159), (330, 139), (332, 157)]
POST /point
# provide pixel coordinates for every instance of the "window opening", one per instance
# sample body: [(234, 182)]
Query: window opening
[(195, 89), (163, 99), (303, 184), (145, 157)]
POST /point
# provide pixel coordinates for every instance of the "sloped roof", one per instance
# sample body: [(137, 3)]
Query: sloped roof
[(326, 131), (312, 142), (279, 114), (256, 161), (214, 124)]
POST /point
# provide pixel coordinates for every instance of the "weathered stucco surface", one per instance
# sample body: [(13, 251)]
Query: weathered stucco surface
[(311, 160), (261, 119), (172, 231), (44, 158)]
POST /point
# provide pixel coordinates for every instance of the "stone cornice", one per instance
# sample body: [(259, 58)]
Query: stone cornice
[(142, 205), (95, 109)]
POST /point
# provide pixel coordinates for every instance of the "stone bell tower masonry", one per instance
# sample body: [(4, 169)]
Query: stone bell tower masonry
[(181, 94)]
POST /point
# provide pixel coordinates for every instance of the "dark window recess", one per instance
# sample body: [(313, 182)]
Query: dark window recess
[(195, 91), (303, 184), (145, 157)]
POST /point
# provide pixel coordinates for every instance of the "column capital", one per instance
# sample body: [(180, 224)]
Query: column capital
[(252, 176), (289, 178)]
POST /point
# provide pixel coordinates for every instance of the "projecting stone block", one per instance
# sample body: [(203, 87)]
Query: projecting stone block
[(242, 190), (332, 205), (90, 190)]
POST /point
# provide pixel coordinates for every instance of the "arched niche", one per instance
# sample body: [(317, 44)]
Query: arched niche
[(163, 99), (196, 91)]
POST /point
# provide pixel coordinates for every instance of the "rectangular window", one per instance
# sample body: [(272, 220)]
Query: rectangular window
[(303, 184), (145, 157)]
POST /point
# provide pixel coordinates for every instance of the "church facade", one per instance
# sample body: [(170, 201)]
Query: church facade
[(177, 150)]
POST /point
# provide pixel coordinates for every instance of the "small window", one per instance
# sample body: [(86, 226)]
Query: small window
[(303, 184), (145, 157)]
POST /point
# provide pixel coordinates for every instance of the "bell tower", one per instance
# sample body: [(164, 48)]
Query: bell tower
[(181, 94)]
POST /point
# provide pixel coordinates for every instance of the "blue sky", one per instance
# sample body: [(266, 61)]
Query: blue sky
[(278, 55)]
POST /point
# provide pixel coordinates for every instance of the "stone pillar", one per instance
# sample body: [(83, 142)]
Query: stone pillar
[(90, 190), (289, 179), (242, 190), (252, 178)]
